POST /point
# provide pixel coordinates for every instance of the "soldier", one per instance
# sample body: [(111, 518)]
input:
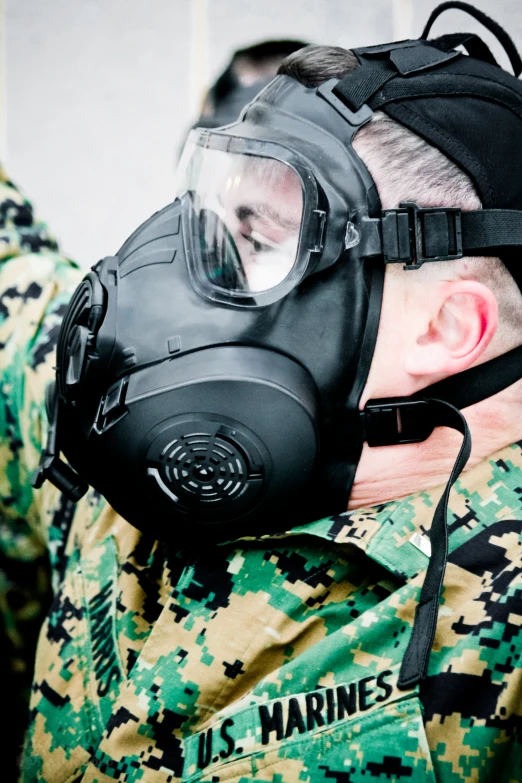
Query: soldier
[(230, 383), (25, 589)]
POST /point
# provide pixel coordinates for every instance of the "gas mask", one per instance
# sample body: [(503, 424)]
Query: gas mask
[(230, 338), (209, 375)]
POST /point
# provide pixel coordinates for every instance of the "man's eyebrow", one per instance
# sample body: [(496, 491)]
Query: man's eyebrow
[(264, 210)]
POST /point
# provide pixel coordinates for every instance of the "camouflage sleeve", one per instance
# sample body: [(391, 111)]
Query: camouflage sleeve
[(35, 284)]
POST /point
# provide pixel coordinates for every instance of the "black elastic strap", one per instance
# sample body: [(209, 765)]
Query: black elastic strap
[(491, 229), (419, 57), (360, 84), (411, 420), (474, 45), (459, 391), (500, 34), (379, 65), (414, 235), (414, 665), (478, 383)]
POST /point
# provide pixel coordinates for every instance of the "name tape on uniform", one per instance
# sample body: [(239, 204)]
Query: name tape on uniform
[(287, 719)]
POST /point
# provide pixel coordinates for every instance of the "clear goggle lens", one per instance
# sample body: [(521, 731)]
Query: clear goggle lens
[(249, 210)]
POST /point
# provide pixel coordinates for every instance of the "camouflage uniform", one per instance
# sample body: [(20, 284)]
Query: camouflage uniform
[(270, 659), (25, 243)]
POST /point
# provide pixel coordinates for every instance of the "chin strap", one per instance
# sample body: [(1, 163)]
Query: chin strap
[(412, 420), (415, 662)]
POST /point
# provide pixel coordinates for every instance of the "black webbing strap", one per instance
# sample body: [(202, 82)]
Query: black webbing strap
[(412, 235), (490, 230), (500, 34), (380, 64), (411, 420), (414, 665), (478, 383), (358, 86), (474, 45)]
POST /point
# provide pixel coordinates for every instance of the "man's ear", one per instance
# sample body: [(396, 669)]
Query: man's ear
[(463, 320)]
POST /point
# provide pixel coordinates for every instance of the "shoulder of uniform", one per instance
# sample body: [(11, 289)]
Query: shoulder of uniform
[(45, 266)]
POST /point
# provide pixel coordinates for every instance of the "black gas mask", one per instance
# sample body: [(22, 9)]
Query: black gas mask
[(209, 375)]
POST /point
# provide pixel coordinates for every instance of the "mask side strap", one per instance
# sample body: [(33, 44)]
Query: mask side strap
[(415, 662), (480, 382)]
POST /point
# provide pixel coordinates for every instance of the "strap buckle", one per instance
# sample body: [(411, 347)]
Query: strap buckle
[(388, 422), (413, 235)]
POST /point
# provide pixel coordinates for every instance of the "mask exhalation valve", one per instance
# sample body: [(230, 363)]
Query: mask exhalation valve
[(197, 460)]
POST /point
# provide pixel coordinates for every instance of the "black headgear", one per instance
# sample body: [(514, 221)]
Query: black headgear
[(209, 375)]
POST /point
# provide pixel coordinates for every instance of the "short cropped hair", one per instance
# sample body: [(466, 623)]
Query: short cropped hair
[(404, 167)]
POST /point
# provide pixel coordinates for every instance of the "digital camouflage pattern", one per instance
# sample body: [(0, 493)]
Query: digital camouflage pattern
[(25, 244), (273, 659)]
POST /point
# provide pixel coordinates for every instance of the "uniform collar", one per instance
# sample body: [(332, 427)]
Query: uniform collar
[(396, 534)]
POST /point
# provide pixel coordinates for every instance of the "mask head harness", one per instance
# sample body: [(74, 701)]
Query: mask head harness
[(209, 374)]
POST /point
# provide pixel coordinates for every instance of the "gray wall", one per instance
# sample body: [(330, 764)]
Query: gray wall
[(97, 94)]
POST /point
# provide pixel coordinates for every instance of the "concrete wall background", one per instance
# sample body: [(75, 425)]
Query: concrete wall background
[(96, 95)]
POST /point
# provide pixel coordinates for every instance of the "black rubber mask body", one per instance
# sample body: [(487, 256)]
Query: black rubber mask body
[(188, 413)]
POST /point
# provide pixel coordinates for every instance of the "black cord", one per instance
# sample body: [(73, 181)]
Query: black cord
[(500, 34)]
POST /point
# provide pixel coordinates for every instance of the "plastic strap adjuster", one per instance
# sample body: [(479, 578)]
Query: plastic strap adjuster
[(388, 422), (413, 235)]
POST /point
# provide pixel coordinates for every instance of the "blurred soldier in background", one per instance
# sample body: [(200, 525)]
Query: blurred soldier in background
[(25, 589), (248, 71)]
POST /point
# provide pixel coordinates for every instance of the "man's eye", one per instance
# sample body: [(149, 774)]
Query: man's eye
[(258, 247)]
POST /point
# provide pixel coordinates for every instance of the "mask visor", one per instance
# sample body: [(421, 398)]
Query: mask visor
[(247, 214)]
